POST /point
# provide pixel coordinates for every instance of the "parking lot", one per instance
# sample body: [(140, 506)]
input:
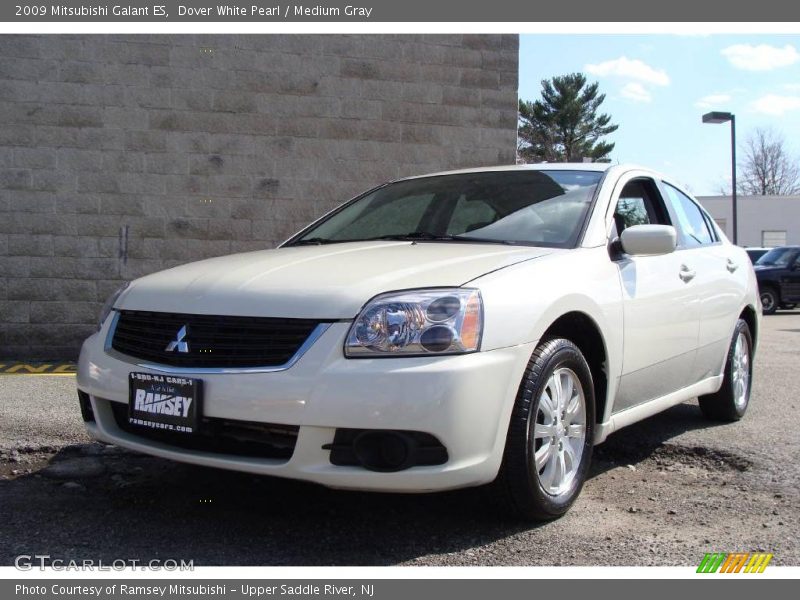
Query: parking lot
[(662, 492)]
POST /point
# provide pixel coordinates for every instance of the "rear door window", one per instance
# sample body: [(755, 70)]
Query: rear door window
[(692, 225)]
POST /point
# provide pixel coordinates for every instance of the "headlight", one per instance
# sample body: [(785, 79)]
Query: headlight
[(420, 322), (106, 310)]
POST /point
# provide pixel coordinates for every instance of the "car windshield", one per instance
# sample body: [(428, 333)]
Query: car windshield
[(755, 254), (541, 208), (777, 257)]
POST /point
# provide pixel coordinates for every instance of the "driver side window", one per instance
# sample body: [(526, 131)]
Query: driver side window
[(639, 204)]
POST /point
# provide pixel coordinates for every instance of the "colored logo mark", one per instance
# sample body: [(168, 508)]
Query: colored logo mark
[(737, 562)]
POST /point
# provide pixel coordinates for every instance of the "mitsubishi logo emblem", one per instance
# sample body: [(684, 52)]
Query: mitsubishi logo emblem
[(179, 344)]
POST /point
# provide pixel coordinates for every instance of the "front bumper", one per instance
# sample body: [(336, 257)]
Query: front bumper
[(464, 401)]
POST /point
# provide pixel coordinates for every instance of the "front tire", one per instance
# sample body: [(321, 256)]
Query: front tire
[(769, 301), (731, 401), (550, 436)]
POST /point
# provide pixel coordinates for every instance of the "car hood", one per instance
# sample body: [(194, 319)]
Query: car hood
[(325, 282)]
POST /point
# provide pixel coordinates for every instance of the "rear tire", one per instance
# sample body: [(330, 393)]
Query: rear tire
[(731, 401), (551, 434), (769, 301)]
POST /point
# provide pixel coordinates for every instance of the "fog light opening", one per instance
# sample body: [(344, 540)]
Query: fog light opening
[(87, 414), (384, 451)]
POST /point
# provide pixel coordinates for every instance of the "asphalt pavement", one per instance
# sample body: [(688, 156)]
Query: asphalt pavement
[(662, 492)]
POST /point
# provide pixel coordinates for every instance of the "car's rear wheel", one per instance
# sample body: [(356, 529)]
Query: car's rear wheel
[(769, 301), (730, 402), (550, 436)]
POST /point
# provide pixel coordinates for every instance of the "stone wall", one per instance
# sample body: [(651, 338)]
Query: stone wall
[(123, 155)]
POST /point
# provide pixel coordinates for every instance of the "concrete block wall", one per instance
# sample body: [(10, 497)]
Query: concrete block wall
[(192, 146)]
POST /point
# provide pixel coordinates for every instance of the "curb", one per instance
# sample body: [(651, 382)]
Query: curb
[(38, 368)]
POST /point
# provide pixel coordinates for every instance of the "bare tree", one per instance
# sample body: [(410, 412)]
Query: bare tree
[(765, 167)]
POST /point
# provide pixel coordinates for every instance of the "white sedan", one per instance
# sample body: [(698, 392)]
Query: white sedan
[(483, 326)]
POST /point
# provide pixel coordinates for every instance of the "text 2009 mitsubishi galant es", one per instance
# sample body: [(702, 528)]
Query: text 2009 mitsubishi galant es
[(451, 330)]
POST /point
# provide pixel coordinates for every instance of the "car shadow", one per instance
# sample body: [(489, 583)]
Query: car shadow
[(116, 504), (643, 440)]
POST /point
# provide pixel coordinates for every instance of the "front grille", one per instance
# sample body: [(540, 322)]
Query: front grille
[(210, 341), (220, 436)]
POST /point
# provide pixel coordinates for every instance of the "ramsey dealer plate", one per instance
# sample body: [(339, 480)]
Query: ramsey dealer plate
[(164, 402)]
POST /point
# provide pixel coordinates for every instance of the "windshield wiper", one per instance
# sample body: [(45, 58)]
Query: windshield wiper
[(414, 235), (402, 237), (314, 241), (426, 236), (466, 238)]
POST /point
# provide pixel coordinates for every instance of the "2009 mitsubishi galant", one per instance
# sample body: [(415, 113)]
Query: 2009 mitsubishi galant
[(451, 330)]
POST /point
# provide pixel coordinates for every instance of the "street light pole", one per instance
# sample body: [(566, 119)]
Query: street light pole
[(724, 117), (733, 179)]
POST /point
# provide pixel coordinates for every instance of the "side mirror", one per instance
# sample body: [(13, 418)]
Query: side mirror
[(649, 240)]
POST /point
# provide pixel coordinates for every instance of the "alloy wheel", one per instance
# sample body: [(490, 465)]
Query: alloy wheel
[(767, 301), (741, 371), (559, 431)]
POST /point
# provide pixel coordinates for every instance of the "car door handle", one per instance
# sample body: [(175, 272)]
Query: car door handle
[(731, 266), (686, 274)]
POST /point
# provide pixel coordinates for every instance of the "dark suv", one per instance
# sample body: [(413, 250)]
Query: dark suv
[(778, 274)]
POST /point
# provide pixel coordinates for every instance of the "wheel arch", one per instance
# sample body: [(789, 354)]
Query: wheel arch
[(583, 331), (770, 285), (750, 316)]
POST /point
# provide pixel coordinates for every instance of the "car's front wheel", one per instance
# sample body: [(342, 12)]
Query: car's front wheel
[(730, 402), (769, 301), (550, 436)]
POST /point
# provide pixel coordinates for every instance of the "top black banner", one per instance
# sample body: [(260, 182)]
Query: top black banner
[(362, 11)]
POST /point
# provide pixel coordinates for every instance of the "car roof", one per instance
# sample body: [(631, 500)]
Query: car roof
[(595, 167)]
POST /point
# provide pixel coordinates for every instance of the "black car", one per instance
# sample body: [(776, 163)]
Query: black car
[(778, 274), (756, 253)]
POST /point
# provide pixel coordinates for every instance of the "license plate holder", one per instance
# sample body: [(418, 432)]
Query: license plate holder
[(166, 403)]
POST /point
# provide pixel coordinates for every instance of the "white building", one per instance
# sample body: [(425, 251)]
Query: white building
[(763, 220)]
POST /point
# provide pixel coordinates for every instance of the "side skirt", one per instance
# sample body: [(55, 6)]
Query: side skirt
[(648, 409)]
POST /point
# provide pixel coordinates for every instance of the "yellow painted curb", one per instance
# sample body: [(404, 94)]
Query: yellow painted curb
[(38, 368)]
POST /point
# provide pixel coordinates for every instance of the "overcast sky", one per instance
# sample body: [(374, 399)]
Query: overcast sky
[(658, 86)]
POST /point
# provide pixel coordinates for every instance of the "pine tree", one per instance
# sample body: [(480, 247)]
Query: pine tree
[(564, 126)]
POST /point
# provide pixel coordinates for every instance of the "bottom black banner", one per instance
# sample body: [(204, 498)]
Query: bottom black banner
[(385, 589)]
